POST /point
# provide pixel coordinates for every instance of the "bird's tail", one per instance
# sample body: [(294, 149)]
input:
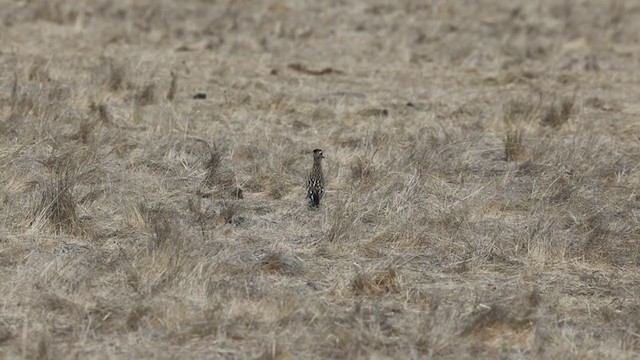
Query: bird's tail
[(315, 199)]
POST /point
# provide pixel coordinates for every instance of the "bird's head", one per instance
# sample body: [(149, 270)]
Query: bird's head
[(317, 154)]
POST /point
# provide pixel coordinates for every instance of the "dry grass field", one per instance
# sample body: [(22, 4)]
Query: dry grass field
[(482, 166)]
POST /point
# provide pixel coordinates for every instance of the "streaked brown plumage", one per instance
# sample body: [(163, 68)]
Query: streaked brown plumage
[(315, 184)]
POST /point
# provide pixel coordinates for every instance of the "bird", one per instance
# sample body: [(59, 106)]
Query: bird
[(315, 184)]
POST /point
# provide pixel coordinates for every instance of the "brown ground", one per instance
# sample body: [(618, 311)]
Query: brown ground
[(482, 168)]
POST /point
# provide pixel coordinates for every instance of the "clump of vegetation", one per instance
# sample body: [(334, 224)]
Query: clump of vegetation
[(57, 204), (557, 115), (278, 263), (102, 112), (85, 131), (229, 214), (361, 169), (380, 282), (498, 325), (516, 115), (342, 224), (173, 87), (39, 70), (162, 231), (116, 76), (514, 149), (212, 166), (147, 95), (520, 111)]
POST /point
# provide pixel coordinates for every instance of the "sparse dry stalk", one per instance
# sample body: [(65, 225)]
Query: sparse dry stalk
[(14, 92), (212, 165), (173, 87)]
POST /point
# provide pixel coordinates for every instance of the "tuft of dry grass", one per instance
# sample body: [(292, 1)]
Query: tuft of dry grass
[(173, 87), (219, 177), (212, 166), (57, 205), (116, 76), (497, 328), (362, 169), (230, 214), (517, 114), (162, 232), (557, 115), (85, 131), (514, 149), (146, 95), (278, 263), (342, 222), (380, 282), (39, 70), (136, 317), (102, 112), (13, 97)]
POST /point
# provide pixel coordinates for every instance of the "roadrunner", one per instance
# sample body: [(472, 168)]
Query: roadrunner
[(315, 184)]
